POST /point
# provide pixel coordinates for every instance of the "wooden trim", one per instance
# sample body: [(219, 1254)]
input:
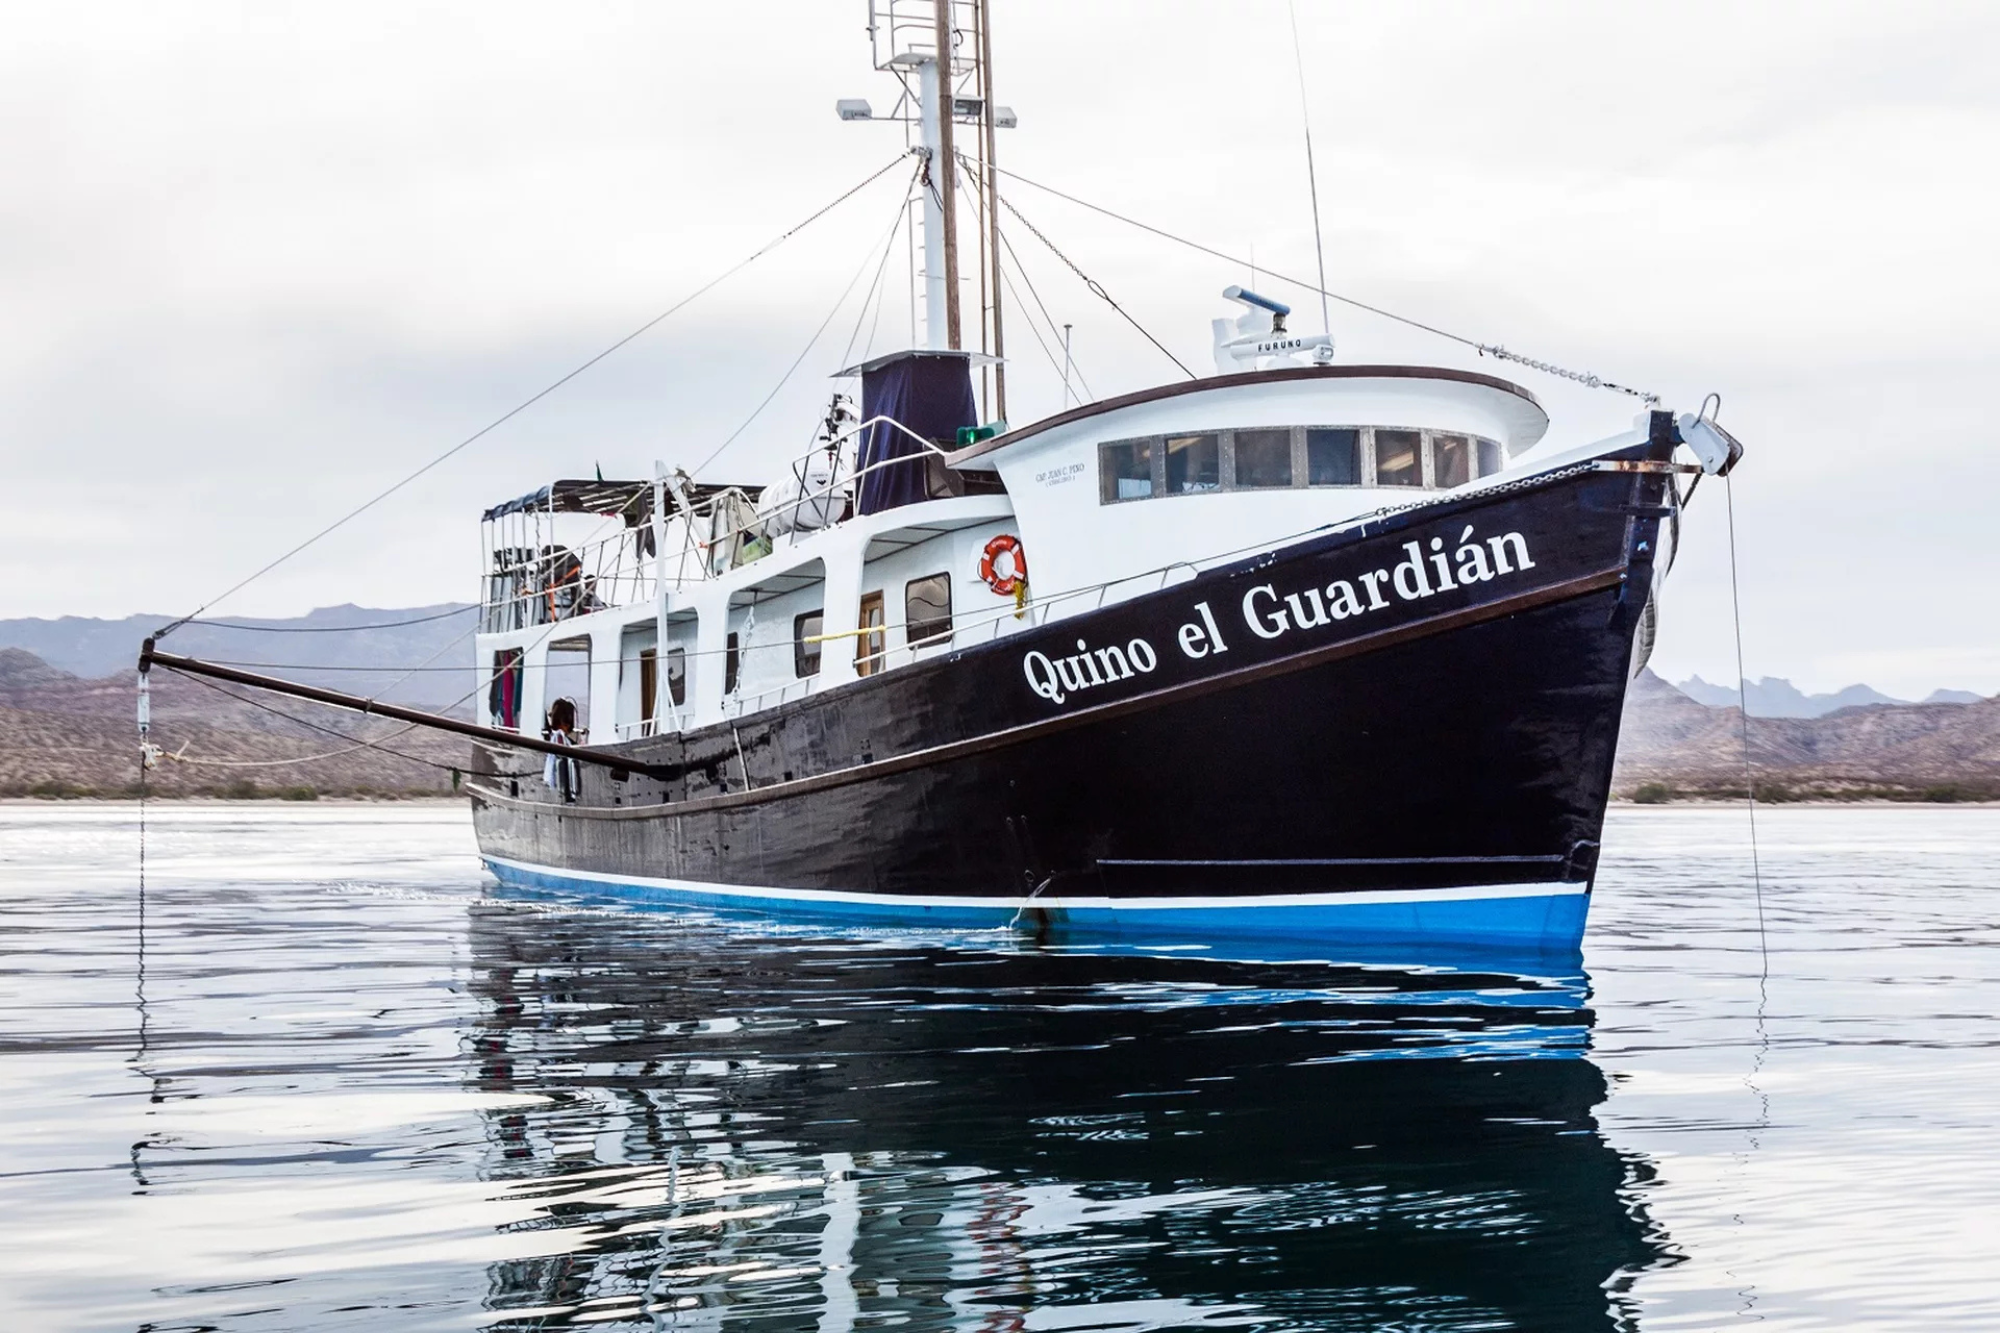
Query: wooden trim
[(1027, 731), (1278, 376)]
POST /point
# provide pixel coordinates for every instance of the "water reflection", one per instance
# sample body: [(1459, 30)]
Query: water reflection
[(729, 1129)]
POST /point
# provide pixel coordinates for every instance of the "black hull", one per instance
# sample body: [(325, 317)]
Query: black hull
[(1453, 737)]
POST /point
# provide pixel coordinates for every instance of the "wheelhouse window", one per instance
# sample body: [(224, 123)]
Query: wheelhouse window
[(927, 609), (806, 630), (1491, 460), (732, 661), (1126, 470), (1263, 459), (1277, 458), (1194, 463), (1399, 458), (1333, 456), (1451, 461)]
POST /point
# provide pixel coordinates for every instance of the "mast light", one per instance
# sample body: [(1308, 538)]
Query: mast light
[(854, 108)]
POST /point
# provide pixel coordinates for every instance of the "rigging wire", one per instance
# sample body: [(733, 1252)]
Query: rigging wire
[(870, 297), (1312, 173), (331, 629), (1054, 363), (314, 726), (525, 404), (1494, 350), (1007, 244), (805, 351), (1743, 716), (1096, 288), (979, 209)]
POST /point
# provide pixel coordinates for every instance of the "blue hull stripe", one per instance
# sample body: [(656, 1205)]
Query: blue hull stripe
[(1546, 916)]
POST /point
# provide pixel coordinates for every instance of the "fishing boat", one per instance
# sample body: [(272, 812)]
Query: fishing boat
[(1294, 648)]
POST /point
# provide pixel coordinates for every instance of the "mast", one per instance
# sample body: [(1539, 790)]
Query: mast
[(944, 87), (991, 206), (944, 170)]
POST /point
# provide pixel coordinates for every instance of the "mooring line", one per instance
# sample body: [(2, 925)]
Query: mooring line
[(1743, 717)]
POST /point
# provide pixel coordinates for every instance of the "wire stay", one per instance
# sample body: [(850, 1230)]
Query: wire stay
[(529, 402)]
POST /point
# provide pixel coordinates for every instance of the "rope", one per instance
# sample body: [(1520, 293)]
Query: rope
[(1484, 349), (1096, 288), (314, 726), (1040, 341), (870, 297), (811, 342), (1743, 716), (329, 629), (1000, 268), (527, 403)]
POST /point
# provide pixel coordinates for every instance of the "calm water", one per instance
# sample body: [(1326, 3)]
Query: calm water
[(338, 1082)]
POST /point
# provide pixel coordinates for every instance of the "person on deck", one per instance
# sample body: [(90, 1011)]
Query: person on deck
[(561, 774)]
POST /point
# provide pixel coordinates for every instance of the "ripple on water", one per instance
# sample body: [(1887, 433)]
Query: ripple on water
[(353, 1086)]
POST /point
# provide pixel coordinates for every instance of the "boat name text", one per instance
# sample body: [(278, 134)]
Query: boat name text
[(1269, 615)]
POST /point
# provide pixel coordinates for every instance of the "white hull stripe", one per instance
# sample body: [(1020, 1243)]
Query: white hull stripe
[(1073, 902)]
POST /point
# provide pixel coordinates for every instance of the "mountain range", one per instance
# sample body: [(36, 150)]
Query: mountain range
[(1774, 696), (67, 695), (419, 655)]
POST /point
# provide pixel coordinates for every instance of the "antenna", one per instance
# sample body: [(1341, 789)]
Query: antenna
[(940, 51), (1067, 364), (1312, 175)]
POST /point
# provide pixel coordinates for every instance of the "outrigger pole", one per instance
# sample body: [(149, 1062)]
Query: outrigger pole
[(150, 657)]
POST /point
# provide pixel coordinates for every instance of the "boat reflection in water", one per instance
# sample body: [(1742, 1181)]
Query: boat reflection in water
[(749, 1129)]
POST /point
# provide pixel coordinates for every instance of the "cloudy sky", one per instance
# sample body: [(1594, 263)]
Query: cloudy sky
[(262, 258)]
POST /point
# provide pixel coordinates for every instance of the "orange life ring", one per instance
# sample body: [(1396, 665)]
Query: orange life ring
[(1003, 582)]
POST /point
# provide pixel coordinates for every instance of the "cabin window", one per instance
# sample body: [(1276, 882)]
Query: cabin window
[(1451, 461), (870, 644), (732, 661), (806, 630), (1490, 460), (649, 683), (1399, 458), (503, 698), (1263, 459), (927, 608), (1126, 470), (1333, 457), (1194, 463), (677, 675)]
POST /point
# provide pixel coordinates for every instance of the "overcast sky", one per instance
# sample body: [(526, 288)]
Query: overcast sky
[(260, 259)]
